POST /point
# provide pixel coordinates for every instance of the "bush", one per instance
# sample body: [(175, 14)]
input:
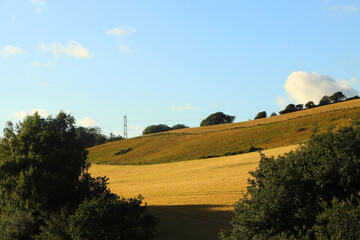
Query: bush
[(217, 118), (287, 194), (111, 219)]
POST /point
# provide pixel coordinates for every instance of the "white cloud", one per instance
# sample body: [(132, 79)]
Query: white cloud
[(11, 50), (124, 48), (73, 49), (86, 122), (187, 106), (121, 31), (303, 87), (38, 64), (46, 84), (281, 101), (23, 114)]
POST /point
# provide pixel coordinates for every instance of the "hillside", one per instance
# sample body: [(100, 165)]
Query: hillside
[(191, 199), (223, 140)]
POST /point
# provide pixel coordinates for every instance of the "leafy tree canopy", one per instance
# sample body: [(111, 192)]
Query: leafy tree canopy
[(217, 118), (43, 169), (310, 104), (292, 196), (260, 115), (289, 108), (337, 97), (325, 100)]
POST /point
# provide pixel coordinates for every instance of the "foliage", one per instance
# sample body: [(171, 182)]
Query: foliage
[(299, 107), (286, 194), (156, 129), (340, 220), (178, 126), (273, 114), (90, 136), (217, 118), (260, 115), (99, 219), (337, 97), (289, 108), (43, 169), (325, 100), (310, 104)]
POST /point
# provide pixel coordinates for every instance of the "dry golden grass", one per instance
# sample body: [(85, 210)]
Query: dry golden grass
[(323, 109), (192, 199), (216, 181), (195, 143)]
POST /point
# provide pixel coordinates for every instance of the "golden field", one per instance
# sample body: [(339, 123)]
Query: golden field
[(192, 199), (226, 139)]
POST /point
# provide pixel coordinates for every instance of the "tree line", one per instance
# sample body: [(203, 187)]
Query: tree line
[(325, 100), (46, 191)]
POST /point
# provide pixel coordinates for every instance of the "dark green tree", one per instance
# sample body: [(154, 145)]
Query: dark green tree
[(286, 195), (340, 220), (217, 118), (310, 104), (325, 100), (43, 169), (273, 114), (289, 108), (111, 219), (299, 107), (156, 129), (260, 115), (337, 97), (90, 136)]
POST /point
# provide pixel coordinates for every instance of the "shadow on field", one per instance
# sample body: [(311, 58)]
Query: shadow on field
[(191, 222)]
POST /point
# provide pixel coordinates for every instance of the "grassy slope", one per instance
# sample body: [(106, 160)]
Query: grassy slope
[(192, 199), (202, 142)]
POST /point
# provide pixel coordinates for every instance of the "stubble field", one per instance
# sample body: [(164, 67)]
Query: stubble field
[(192, 199)]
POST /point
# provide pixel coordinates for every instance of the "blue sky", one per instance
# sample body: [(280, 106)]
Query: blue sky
[(173, 62)]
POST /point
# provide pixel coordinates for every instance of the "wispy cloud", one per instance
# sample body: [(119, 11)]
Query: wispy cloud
[(341, 7), (11, 50), (73, 49), (137, 128), (303, 87), (38, 4), (124, 48), (86, 122), (38, 64), (126, 30), (344, 8), (121, 32), (23, 114), (187, 106), (13, 18)]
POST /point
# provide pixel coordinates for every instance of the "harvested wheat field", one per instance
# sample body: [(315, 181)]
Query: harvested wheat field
[(192, 199)]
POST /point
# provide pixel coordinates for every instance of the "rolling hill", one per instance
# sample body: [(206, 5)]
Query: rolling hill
[(226, 139)]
